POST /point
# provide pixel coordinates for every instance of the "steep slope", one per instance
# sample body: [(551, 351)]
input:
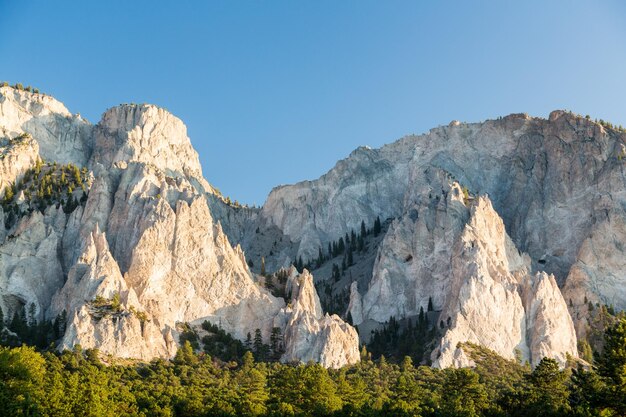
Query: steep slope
[(493, 299), (558, 184), (544, 176), (311, 335), (483, 222), (60, 135), (142, 252)]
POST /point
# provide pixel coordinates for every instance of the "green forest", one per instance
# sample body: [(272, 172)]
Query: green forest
[(78, 383)]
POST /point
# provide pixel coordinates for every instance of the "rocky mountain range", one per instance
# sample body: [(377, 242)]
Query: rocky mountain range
[(508, 233)]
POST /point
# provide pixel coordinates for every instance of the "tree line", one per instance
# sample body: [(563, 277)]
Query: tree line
[(78, 383)]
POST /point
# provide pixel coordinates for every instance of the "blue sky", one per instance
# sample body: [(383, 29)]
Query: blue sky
[(275, 92)]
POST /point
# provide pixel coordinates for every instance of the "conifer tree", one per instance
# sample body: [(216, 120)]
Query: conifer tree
[(377, 226), (612, 361), (248, 342), (341, 246), (258, 345)]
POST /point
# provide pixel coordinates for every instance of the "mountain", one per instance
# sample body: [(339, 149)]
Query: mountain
[(504, 227), (110, 226), (506, 233)]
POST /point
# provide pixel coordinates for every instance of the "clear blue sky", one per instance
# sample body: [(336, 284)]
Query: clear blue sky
[(274, 92)]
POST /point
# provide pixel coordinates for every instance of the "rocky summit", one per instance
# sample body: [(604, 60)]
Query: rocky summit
[(507, 234)]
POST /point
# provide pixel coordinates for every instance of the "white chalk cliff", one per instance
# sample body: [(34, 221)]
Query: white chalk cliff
[(311, 335), (557, 185), (510, 227), (143, 253)]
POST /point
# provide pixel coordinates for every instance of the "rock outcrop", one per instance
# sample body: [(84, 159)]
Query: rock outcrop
[(495, 301), (60, 135), (558, 184), (17, 154), (486, 222), (414, 260), (312, 336), (104, 311), (142, 253), (546, 179)]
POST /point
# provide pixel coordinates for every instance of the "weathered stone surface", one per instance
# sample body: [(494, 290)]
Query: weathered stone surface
[(144, 252), (61, 136), (496, 302), (154, 231), (149, 134), (312, 336), (30, 270), (355, 306), (545, 178), (367, 184), (16, 156), (558, 184), (597, 276), (121, 332), (414, 260)]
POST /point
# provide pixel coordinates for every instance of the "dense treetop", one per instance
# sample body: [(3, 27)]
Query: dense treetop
[(77, 383)]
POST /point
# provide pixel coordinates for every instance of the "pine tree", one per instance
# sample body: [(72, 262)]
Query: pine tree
[(258, 345), (116, 304), (32, 319), (252, 393), (336, 274), (248, 342), (276, 344), (8, 194), (19, 324), (363, 229), (549, 393), (463, 394), (377, 226), (612, 362), (300, 265)]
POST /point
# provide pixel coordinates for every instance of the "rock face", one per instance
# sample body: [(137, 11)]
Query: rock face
[(145, 133), (500, 226), (60, 136), (17, 154), (414, 260), (546, 178), (123, 333), (143, 252), (313, 336), (557, 184), (367, 184), (494, 301), (30, 270)]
